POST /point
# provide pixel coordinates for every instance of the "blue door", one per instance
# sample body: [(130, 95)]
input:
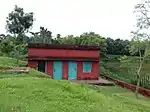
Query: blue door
[(72, 72), (57, 70)]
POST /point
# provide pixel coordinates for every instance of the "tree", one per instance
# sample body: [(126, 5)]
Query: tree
[(19, 22), (57, 39), (92, 38), (6, 46), (70, 39), (43, 36), (110, 46), (19, 52), (141, 39), (2, 37), (118, 46), (141, 44), (58, 35), (88, 38)]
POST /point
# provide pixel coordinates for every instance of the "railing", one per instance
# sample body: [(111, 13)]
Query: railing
[(145, 81), (132, 79)]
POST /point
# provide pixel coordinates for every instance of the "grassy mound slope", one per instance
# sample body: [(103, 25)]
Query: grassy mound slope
[(32, 73), (7, 62), (46, 95)]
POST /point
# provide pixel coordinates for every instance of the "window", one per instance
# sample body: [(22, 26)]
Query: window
[(42, 66), (87, 67)]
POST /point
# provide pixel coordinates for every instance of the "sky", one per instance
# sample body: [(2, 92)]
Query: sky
[(109, 18)]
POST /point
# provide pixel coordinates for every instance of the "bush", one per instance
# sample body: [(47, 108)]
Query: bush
[(113, 58)]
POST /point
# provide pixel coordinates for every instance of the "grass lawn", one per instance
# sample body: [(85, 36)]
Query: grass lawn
[(46, 95)]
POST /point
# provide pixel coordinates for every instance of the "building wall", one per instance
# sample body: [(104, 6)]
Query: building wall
[(93, 75), (49, 68), (32, 64), (62, 53), (49, 55), (65, 70)]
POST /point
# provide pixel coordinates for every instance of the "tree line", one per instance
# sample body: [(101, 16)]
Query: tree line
[(18, 23)]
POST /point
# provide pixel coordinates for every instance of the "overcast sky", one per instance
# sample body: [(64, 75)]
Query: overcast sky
[(109, 18)]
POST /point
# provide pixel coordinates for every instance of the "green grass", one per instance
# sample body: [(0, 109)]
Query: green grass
[(46, 95), (6, 62)]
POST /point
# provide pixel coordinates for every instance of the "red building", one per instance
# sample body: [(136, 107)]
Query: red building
[(69, 62)]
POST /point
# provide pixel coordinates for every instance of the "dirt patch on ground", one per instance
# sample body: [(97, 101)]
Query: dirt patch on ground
[(18, 69)]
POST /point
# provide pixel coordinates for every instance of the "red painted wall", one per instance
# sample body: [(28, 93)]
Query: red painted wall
[(65, 70), (32, 64), (93, 75), (56, 53), (49, 55), (65, 59), (49, 68)]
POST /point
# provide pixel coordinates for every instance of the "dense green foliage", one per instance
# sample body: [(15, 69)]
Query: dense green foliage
[(10, 46), (86, 39), (118, 47), (44, 36)]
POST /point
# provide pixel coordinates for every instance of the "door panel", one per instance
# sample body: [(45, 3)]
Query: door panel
[(42, 66), (72, 72), (57, 70)]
